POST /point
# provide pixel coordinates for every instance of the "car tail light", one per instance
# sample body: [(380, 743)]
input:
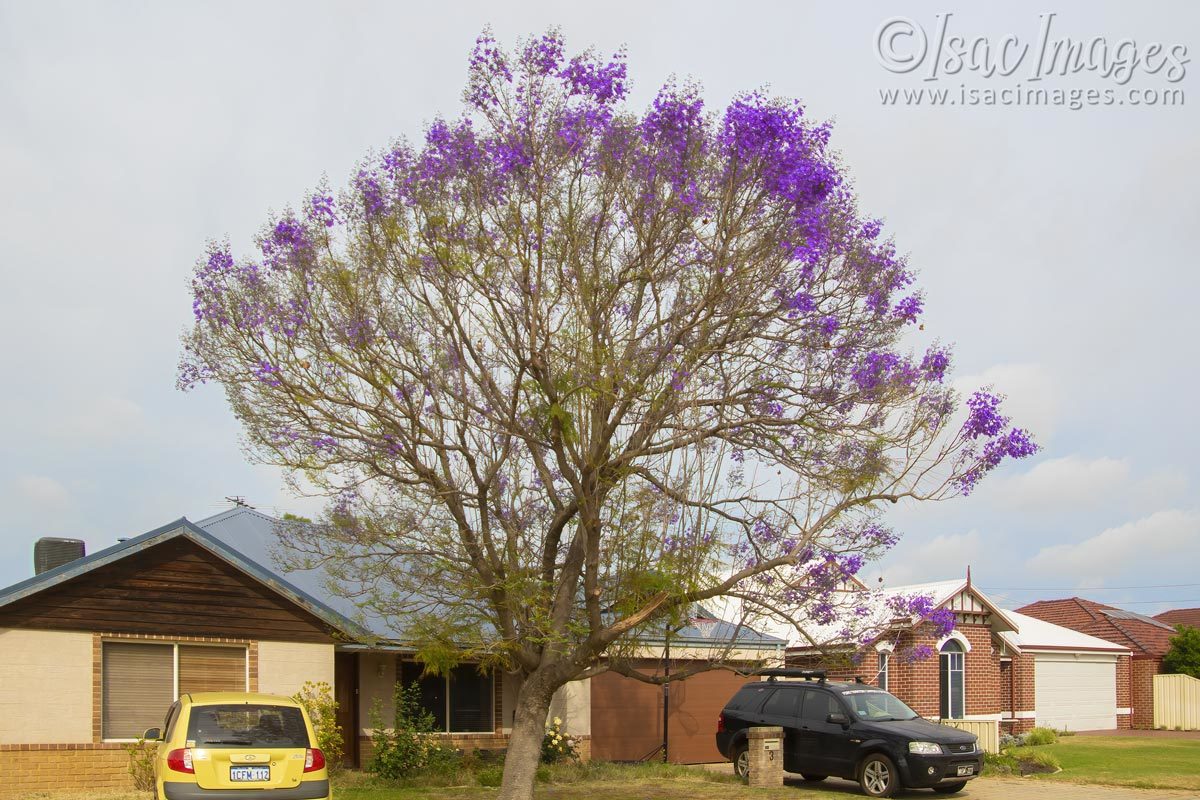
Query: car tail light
[(314, 759), (721, 723), (180, 761)]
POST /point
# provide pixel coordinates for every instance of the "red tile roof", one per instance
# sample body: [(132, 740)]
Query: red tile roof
[(1180, 616), (1143, 635)]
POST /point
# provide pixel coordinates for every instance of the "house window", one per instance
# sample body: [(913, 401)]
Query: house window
[(140, 679), (460, 701), (882, 680), (951, 673)]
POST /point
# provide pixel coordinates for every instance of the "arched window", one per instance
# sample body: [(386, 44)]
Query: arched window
[(884, 659), (953, 664)]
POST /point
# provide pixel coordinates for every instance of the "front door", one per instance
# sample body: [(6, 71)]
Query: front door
[(345, 693)]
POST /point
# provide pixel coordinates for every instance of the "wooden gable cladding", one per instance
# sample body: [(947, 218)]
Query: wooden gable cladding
[(969, 608), (175, 588)]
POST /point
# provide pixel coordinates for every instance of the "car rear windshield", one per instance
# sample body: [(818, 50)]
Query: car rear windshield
[(245, 725), (877, 705)]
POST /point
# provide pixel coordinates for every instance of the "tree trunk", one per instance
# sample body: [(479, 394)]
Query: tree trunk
[(525, 741)]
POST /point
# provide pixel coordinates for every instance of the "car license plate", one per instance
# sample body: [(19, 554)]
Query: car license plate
[(966, 770), (254, 773)]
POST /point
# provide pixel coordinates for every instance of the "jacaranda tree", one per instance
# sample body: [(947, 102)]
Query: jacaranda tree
[(566, 370)]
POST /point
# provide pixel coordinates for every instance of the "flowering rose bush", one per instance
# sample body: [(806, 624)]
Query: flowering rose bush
[(556, 745)]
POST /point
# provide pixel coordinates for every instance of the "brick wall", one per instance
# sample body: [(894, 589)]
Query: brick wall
[(1124, 693), (1141, 692), (25, 768), (918, 683)]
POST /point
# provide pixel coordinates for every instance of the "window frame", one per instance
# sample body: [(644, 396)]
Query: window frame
[(885, 663), (952, 659), (174, 645), (445, 731)]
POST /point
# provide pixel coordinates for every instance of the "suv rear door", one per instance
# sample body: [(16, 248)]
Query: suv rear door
[(782, 708)]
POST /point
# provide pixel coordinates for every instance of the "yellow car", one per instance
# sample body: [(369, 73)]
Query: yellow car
[(231, 745)]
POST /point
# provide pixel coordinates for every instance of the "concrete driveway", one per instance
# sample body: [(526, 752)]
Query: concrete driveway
[(1006, 789)]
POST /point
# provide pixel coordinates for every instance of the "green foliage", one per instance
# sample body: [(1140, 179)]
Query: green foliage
[(141, 764), (543, 774), (317, 699), (1041, 736), (1184, 656), (290, 517), (408, 746), (556, 745), (490, 776)]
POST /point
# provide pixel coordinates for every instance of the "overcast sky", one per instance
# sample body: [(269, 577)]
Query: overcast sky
[(1057, 247)]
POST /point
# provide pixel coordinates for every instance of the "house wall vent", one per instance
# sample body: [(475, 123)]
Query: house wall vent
[(50, 553)]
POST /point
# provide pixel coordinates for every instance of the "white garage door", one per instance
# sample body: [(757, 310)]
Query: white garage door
[(1078, 693)]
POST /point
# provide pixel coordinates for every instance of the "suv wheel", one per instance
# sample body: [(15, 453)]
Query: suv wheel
[(741, 760), (877, 776)]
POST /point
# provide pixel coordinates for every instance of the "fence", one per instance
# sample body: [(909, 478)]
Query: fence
[(988, 731), (1176, 702)]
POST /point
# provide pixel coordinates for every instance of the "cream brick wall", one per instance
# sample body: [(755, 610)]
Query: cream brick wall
[(45, 687), (376, 681), (573, 704), (283, 667)]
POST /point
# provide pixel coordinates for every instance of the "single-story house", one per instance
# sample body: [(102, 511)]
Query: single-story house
[(1146, 638), (995, 665), (93, 651)]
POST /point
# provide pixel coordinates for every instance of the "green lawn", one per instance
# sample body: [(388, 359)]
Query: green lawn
[(609, 781), (1145, 762)]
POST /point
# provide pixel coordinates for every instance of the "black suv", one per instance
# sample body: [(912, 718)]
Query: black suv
[(851, 730)]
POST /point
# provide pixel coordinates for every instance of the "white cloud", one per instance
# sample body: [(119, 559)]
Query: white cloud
[(1061, 483), (942, 558), (42, 493), (102, 419), (1032, 395), (1152, 541)]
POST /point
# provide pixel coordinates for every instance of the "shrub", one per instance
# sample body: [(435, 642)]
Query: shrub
[(556, 745), (490, 776), (1041, 736), (543, 774), (141, 764), (407, 747), (317, 699), (1184, 656)]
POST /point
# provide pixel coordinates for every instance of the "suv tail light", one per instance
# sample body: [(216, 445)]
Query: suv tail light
[(721, 723), (180, 761), (314, 759)]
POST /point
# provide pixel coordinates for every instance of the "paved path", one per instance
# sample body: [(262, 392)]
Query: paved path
[(993, 789), (1010, 789)]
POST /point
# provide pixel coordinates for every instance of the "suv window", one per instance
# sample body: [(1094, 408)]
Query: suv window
[(748, 697), (818, 705), (782, 703)]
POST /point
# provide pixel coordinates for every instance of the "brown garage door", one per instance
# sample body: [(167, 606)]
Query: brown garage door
[(627, 723)]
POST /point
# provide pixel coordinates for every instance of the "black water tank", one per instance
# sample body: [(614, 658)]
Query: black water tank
[(49, 553)]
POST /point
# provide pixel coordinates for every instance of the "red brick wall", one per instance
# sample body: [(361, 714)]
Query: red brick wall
[(1124, 693), (917, 682), (1142, 672)]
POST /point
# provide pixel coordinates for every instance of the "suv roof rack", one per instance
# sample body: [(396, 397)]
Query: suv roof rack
[(807, 674)]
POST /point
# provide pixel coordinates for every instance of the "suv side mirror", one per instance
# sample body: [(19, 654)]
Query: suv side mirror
[(838, 719), (152, 734)]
